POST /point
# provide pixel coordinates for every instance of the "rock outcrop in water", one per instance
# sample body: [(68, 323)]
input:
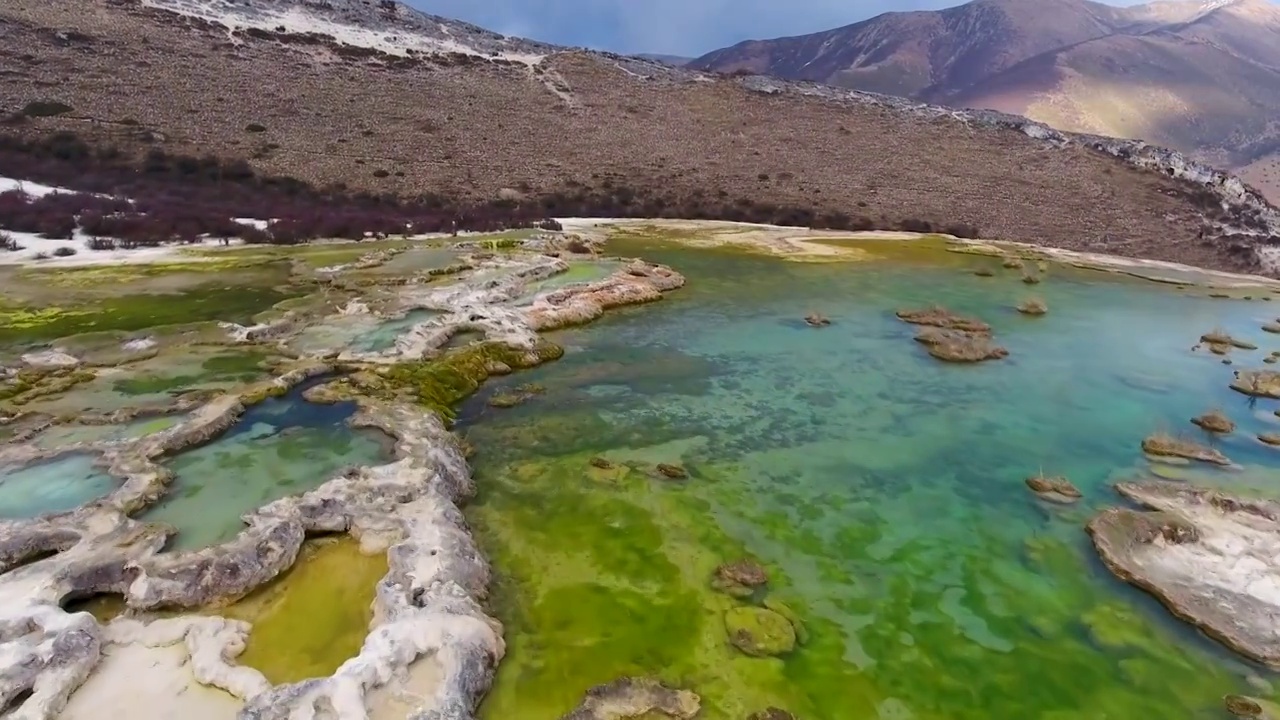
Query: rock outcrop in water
[(1251, 708), (427, 608), (759, 632), (740, 578), (960, 345), (938, 316), (1215, 421), (952, 337), (1257, 383), (1163, 445), (1053, 489), (1206, 555), (633, 697)]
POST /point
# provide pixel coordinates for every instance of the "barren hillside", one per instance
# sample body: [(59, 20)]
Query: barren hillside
[(1202, 77), (380, 98)]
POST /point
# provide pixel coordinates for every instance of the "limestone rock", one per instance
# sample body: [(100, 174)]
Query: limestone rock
[(1161, 445), (633, 697), (759, 632), (1257, 383), (1204, 554), (1054, 489), (50, 360)]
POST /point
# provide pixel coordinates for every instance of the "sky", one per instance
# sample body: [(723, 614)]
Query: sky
[(676, 27)]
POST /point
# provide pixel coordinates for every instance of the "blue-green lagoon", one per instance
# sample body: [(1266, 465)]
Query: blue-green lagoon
[(52, 485), (882, 490), (279, 447)]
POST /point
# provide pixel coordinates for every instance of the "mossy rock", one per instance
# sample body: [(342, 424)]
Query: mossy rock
[(440, 383), (759, 632), (802, 635), (1251, 708)]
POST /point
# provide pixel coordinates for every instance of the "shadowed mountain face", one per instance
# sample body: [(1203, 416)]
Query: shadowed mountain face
[(377, 97), (1202, 77)]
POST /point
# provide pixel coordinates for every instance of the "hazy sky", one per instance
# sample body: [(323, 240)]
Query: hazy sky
[(678, 27)]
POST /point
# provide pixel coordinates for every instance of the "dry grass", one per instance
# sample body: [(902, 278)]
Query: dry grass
[(1012, 263), (960, 346), (144, 80), (1030, 277), (938, 316), (1215, 421)]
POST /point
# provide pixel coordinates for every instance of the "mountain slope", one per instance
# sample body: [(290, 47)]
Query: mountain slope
[(1200, 77), (380, 98)]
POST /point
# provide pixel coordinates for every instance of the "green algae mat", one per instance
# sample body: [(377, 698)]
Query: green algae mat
[(881, 490)]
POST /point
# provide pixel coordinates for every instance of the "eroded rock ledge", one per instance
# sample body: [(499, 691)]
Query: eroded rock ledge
[(1207, 556), (427, 607)]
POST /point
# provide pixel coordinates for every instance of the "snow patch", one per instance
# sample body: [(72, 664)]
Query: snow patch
[(396, 33), (40, 251), (253, 222), (33, 189)]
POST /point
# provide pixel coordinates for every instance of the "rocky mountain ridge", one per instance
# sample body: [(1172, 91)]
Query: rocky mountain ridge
[(1201, 77)]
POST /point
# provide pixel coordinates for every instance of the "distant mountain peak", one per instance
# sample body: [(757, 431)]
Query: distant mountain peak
[(1202, 76)]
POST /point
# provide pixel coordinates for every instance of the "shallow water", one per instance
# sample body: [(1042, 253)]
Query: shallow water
[(417, 260), (578, 272), (331, 334), (314, 616), (154, 382), (54, 485), (882, 489), (306, 622), (383, 336), (280, 447), (60, 435)]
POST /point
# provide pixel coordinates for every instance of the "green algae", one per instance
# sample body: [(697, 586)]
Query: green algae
[(136, 312), (441, 383), (307, 621), (28, 385), (313, 254), (314, 616), (884, 494), (68, 433), (617, 578), (231, 367)]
